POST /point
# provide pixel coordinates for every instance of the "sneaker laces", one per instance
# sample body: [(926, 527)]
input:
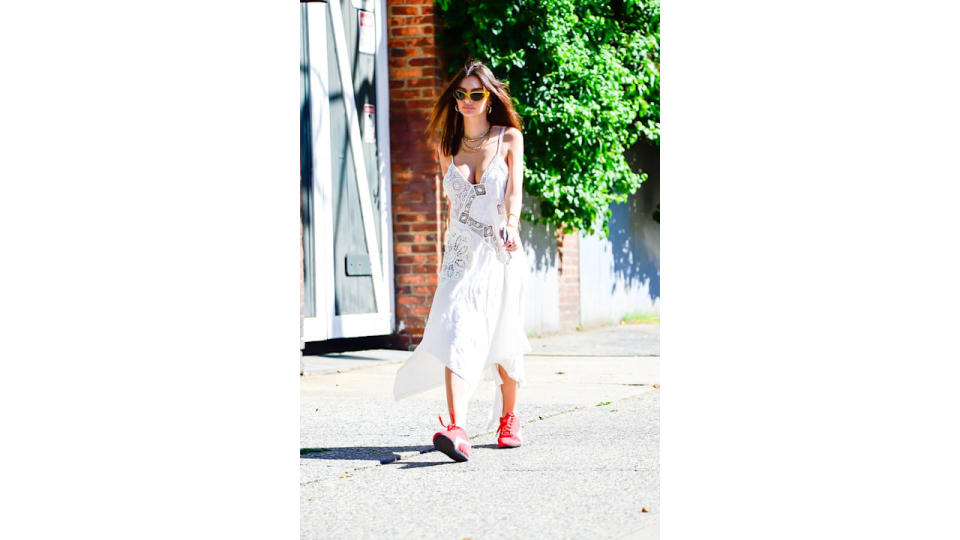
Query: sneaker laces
[(508, 425), (447, 427)]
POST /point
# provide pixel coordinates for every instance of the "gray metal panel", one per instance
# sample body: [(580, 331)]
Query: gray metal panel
[(353, 294)]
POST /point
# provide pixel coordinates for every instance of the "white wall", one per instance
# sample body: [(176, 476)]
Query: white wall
[(542, 295), (622, 271), (621, 274)]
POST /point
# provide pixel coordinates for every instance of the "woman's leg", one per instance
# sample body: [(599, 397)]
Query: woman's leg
[(509, 391), (456, 397)]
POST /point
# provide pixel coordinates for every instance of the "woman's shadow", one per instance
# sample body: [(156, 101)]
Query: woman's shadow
[(383, 454)]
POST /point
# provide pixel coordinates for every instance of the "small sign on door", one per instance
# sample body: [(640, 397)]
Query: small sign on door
[(369, 124), (367, 32)]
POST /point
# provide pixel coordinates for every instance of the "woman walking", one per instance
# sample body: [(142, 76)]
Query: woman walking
[(475, 325)]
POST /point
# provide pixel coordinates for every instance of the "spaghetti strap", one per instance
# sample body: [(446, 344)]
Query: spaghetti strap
[(499, 140)]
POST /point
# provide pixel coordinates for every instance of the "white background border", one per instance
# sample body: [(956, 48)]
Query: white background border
[(150, 285)]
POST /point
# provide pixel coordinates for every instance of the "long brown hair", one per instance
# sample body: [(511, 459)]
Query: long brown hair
[(445, 119)]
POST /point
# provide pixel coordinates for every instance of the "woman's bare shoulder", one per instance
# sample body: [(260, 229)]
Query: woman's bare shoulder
[(512, 136)]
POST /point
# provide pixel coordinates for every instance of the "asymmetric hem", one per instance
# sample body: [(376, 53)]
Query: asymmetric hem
[(476, 317)]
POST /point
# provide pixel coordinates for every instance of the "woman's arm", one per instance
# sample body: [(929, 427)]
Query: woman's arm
[(513, 198), (440, 158)]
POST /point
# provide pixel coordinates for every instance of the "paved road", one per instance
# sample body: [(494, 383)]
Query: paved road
[(623, 339), (589, 466)]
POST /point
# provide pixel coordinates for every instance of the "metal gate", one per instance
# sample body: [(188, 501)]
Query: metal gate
[(345, 170)]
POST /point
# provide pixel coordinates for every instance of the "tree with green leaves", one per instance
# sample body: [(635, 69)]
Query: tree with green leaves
[(585, 77)]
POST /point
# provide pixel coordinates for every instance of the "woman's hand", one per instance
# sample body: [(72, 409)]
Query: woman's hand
[(512, 241)]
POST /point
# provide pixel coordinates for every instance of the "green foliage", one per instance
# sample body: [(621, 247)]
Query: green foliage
[(585, 77)]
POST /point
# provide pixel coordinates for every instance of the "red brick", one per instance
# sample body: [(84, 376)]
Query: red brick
[(425, 268), (422, 19), (410, 300), (405, 94), (410, 20), (425, 61), (420, 83), (418, 203), (403, 10), (407, 52), (406, 31), (407, 73), (400, 195), (414, 207), (425, 104), (424, 41)]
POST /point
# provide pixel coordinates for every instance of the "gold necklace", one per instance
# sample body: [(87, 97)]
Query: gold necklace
[(471, 149), (482, 135)]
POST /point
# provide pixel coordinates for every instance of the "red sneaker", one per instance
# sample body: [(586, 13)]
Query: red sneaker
[(452, 441), (509, 431)]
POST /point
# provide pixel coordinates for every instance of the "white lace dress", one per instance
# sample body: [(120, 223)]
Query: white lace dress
[(476, 319)]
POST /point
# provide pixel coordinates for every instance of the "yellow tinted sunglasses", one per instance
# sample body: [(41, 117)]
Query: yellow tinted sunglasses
[(476, 95)]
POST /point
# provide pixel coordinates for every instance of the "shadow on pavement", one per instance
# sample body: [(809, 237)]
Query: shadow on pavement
[(418, 464), (375, 453)]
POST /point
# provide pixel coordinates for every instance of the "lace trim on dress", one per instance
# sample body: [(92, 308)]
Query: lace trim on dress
[(462, 195), (457, 254)]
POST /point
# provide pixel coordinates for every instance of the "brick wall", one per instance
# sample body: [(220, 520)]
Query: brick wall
[(418, 203), (569, 281)]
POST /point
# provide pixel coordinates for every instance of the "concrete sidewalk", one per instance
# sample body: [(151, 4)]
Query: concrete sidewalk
[(589, 466)]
